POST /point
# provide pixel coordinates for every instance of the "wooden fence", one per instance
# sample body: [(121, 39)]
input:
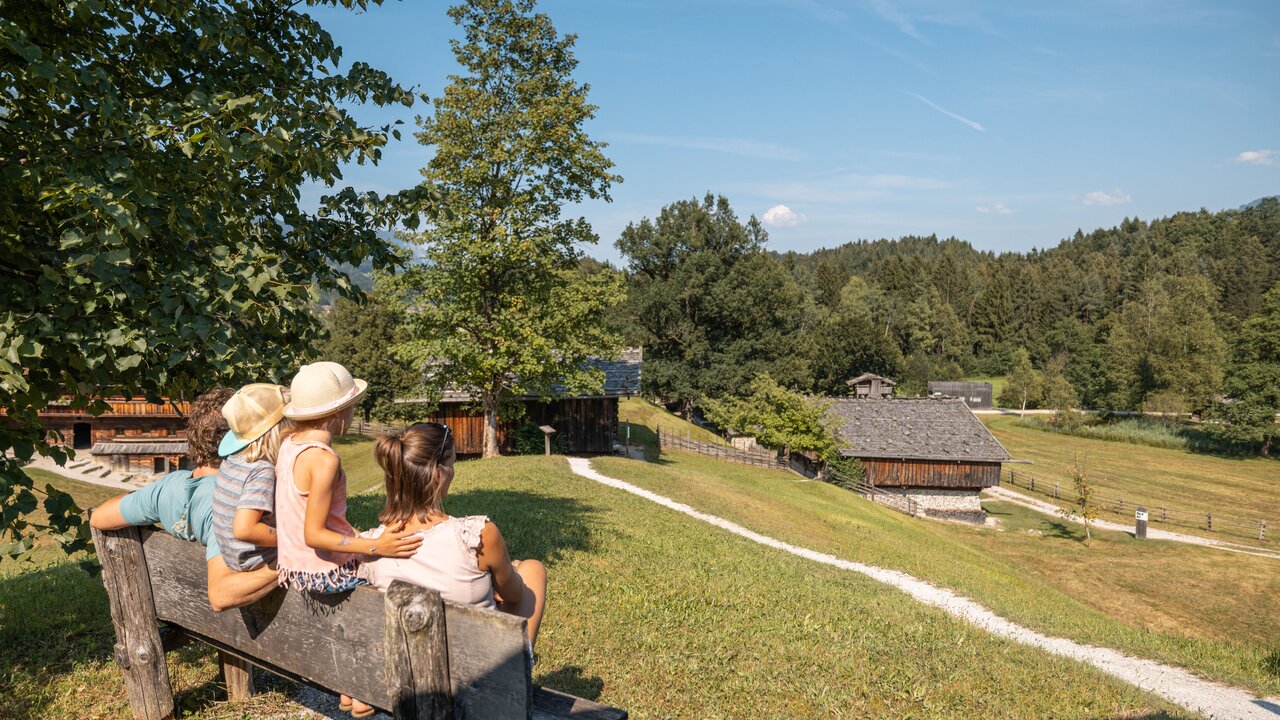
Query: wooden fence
[(668, 440), (672, 441), (1157, 512)]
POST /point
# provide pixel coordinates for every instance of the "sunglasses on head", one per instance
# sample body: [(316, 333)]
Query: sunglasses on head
[(443, 440)]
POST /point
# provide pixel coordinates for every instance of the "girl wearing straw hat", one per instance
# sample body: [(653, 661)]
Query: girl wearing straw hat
[(318, 550)]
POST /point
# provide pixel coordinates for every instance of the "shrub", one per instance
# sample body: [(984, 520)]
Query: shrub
[(528, 440)]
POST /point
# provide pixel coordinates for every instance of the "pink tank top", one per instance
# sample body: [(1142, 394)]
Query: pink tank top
[(301, 566), (445, 562)]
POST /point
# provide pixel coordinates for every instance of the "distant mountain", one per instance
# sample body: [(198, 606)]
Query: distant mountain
[(1258, 202)]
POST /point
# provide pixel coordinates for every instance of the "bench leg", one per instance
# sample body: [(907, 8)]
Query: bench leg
[(139, 650), (238, 674)]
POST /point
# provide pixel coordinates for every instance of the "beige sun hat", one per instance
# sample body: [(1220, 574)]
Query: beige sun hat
[(322, 388), (251, 413)]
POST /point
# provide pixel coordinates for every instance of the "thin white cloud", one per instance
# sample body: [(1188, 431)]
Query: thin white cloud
[(782, 216), (1115, 197), (844, 189), (890, 13), (1258, 157), (958, 118), (732, 146), (995, 208)]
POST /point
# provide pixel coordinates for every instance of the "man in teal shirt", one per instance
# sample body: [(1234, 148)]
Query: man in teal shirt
[(182, 503)]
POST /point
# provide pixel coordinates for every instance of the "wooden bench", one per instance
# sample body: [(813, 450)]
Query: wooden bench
[(405, 651)]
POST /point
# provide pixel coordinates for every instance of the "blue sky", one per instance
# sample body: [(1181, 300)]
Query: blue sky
[(1006, 124)]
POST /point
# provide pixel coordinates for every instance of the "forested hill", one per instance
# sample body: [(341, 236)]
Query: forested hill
[(967, 311), (1173, 314)]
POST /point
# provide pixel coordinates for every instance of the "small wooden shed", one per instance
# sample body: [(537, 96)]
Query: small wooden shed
[(936, 451), (133, 437), (583, 423), (869, 385)]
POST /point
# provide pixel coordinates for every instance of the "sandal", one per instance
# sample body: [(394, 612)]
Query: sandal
[(366, 712), (344, 704)]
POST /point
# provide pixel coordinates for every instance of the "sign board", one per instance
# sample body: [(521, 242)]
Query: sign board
[(1141, 515)]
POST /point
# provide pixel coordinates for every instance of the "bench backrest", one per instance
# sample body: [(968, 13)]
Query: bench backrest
[(384, 648)]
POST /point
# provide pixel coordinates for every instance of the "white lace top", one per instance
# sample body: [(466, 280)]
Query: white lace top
[(445, 562)]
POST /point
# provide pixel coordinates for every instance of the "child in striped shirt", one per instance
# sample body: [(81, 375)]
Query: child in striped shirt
[(244, 492)]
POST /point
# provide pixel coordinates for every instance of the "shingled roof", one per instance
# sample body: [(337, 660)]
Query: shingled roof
[(621, 379), (158, 447), (914, 429)]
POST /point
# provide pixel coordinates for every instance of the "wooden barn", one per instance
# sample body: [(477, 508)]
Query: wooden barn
[(583, 423), (134, 437), (935, 451), (977, 395)]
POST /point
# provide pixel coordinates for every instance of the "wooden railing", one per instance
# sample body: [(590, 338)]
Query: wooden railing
[(898, 502), (1157, 511), (668, 440)]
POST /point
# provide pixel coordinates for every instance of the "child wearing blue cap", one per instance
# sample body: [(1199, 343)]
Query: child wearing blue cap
[(244, 492)]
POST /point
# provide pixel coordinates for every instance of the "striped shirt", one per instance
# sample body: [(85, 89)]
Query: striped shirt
[(243, 485)]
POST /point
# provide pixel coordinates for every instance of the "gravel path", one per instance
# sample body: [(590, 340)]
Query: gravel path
[(1048, 508), (1213, 700)]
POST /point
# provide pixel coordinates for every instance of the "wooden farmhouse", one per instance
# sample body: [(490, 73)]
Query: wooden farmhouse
[(935, 451), (583, 423), (977, 395), (134, 437), (868, 385)]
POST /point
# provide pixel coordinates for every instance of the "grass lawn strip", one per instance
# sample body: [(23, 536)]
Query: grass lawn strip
[(1017, 498), (1175, 684), (1178, 479)]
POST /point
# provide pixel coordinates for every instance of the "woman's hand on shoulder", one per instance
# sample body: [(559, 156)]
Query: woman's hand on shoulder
[(396, 542)]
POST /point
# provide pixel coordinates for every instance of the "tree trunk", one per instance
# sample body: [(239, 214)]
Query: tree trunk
[(491, 427), (1266, 446)]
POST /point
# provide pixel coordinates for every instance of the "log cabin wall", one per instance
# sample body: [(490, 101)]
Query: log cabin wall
[(587, 425), (931, 473)]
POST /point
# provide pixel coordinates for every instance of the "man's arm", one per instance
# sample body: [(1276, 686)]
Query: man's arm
[(247, 525), (230, 589)]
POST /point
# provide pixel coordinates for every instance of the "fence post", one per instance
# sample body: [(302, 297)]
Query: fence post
[(1262, 531), (1208, 520), (1013, 477), (1121, 510), (1055, 489), (1163, 518), (1033, 483)]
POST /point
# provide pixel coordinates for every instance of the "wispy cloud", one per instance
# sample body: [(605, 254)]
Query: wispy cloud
[(1102, 198), (891, 13), (782, 216), (1258, 157), (732, 146), (844, 189), (995, 208), (958, 118)]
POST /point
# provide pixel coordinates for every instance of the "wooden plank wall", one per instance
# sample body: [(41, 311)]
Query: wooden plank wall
[(588, 425), (931, 473)]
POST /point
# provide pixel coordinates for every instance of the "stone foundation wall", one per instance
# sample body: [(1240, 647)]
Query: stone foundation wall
[(946, 504)]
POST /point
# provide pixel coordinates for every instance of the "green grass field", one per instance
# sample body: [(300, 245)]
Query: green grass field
[(1239, 487), (997, 386), (644, 418), (650, 611)]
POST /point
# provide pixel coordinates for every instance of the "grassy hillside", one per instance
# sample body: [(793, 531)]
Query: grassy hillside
[(1241, 487), (650, 610), (1116, 592), (644, 418)]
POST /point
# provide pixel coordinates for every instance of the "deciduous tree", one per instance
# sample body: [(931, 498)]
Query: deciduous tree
[(152, 240), (498, 307)]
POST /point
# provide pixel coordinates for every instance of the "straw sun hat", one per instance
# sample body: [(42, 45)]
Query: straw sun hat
[(251, 413), (322, 388)]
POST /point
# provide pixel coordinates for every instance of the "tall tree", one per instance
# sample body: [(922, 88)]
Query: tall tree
[(1023, 385), (152, 240), (498, 305), (776, 417), (1252, 382), (359, 334), (711, 308), (846, 342)]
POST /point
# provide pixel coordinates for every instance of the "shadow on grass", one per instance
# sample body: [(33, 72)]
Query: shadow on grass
[(1062, 531), (571, 680), (534, 525), (51, 620)]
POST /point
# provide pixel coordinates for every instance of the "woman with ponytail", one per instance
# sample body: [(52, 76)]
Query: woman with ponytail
[(463, 558)]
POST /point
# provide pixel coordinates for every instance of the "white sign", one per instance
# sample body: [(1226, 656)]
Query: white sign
[(1141, 515)]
